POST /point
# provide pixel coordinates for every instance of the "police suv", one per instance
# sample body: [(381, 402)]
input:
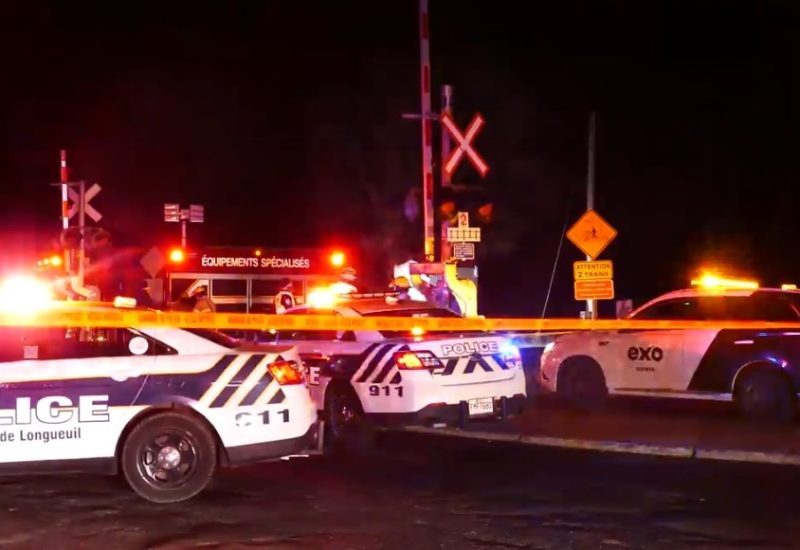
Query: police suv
[(164, 406), (394, 377), (759, 370)]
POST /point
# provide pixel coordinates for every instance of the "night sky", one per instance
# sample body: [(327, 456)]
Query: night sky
[(285, 120)]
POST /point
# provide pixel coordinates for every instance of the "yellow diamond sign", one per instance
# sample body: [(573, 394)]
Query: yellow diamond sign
[(591, 233)]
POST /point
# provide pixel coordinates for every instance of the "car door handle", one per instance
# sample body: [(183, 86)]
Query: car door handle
[(602, 343)]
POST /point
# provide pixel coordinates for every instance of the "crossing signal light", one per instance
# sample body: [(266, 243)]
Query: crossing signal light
[(477, 201), (485, 212)]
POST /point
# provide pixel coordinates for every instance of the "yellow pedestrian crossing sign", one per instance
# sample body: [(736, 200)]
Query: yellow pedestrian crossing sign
[(591, 234)]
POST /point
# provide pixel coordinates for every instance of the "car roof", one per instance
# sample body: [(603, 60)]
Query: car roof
[(374, 305), (713, 292), (364, 306)]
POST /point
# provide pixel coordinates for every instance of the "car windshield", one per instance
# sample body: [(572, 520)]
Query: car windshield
[(411, 312), (216, 336)]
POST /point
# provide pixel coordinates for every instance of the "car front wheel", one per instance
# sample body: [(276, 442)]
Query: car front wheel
[(169, 457)]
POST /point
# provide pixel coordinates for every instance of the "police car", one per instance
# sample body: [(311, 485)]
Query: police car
[(759, 370), (163, 406), (394, 377)]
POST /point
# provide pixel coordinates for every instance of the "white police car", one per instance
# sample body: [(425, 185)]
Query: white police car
[(757, 369), (394, 377), (164, 406)]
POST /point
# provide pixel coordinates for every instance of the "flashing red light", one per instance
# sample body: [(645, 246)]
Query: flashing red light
[(56, 261), (176, 255), (337, 259), (257, 252), (286, 372)]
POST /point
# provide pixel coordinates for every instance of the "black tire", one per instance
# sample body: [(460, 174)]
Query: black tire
[(346, 428), (581, 383), (151, 449), (765, 395)]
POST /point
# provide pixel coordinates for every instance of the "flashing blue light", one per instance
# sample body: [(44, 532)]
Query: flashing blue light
[(509, 350)]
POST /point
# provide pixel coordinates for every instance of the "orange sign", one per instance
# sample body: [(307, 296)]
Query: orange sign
[(591, 234), (596, 270), (594, 290)]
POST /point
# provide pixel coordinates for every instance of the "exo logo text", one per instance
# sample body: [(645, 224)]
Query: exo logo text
[(639, 353)]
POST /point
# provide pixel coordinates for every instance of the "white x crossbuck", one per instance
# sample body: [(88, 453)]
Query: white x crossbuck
[(464, 142)]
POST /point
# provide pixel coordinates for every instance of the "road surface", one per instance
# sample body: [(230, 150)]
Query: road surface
[(420, 492)]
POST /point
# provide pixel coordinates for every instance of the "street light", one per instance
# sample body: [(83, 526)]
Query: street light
[(173, 213)]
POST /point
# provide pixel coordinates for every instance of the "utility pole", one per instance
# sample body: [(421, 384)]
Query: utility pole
[(427, 132), (591, 305), (447, 109), (82, 226)]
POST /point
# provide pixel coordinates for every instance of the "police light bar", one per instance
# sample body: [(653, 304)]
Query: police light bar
[(321, 298), (367, 295), (124, 302), (711, 281)]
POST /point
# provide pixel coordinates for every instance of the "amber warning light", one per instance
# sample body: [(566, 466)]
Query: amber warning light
[(711, 281)]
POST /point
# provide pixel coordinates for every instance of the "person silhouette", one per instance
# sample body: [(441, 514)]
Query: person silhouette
[(284, 299)]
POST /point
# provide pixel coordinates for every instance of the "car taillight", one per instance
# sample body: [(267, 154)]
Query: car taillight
[(416, 360), (511, 355), (287, 372)]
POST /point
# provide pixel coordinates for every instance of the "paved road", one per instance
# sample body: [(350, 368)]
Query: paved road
[(426, 492)]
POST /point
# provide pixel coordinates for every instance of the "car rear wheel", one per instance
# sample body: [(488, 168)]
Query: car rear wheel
[(169, 457), (765, 396), (581, 383)]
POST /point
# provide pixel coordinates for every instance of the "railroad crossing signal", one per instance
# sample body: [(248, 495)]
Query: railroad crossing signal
[(88, 195), (464, 145), (591, 234)]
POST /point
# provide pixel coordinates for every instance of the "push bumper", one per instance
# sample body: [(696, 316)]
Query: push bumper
[(452, 415), (305, 445)]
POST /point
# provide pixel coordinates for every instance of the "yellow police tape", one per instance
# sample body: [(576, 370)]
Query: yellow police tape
[(112, 318)]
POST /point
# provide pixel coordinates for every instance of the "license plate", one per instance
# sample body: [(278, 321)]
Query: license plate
[(483, 405)]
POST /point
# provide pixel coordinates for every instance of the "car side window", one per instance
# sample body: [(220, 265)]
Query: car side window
[(683, 308), (19, 344), (772, 307)]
